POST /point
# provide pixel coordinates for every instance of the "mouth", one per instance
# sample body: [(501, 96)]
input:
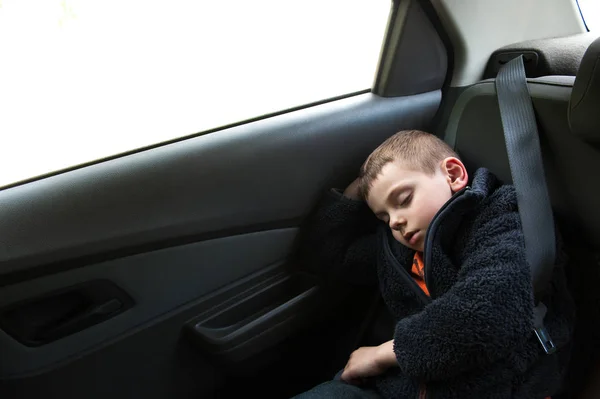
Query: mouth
[(412, 237)]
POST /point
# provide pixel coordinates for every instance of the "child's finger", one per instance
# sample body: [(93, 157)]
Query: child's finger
[(350, 378)]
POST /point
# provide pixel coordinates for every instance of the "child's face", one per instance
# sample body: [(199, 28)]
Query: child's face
[(408, 200)]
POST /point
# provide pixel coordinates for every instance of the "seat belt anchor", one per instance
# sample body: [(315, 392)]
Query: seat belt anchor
[(542, 334)]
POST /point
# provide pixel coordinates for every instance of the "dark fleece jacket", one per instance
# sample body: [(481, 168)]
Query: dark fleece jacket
[(474, 337)]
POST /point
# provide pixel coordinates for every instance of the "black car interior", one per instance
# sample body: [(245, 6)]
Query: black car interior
[(174, 270)]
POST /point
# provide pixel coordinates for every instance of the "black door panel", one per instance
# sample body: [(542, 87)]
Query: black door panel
[(158, 281), (160, 361)]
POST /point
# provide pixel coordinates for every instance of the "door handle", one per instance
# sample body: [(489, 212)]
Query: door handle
[(80, 321), (61, 313)]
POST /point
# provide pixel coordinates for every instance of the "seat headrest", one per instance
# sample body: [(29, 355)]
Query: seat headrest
[(584, 107)]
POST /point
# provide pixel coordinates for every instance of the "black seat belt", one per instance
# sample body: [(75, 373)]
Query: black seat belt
[(525, 159)]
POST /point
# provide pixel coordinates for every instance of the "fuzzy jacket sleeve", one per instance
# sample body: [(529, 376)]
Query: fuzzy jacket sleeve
[(339, 240), (486, 313)]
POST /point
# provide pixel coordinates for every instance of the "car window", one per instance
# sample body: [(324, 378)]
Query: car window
[(83, 79), (590, 11)]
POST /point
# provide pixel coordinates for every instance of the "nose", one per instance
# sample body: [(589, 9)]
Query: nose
[(397, 222)]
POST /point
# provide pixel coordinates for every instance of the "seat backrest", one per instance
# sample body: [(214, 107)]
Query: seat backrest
[(568, 114), (571, 158)]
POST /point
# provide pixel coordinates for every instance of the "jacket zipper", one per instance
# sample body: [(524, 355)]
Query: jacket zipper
[(422, 394), (429, 236), (405, 275)]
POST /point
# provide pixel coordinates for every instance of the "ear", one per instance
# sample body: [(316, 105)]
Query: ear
[(455, 173)]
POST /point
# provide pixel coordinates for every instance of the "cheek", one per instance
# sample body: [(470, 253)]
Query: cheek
[(429, 209)]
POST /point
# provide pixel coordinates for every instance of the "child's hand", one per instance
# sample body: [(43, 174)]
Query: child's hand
[(368, 361), (352, 191)]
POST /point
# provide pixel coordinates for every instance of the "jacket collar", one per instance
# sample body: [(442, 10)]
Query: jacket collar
[(484, 183)]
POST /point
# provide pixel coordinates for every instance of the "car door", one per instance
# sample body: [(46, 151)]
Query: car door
[(174, 270)]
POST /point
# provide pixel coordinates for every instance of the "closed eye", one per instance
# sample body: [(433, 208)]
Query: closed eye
[(406, 200)]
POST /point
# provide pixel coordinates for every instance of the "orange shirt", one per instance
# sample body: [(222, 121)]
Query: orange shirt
[(418, 272)]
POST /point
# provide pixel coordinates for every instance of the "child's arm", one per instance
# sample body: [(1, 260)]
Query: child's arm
[(339, 238), (486, 313)]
